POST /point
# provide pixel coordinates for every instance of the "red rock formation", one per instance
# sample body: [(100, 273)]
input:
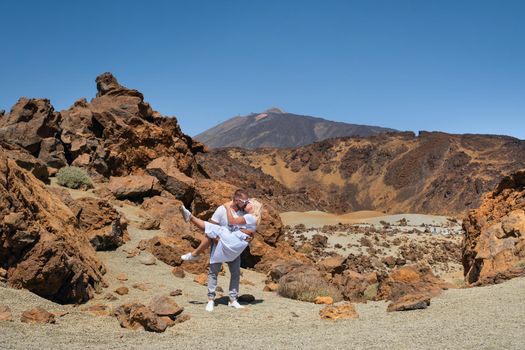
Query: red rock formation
[(494, 245), (40, 247)]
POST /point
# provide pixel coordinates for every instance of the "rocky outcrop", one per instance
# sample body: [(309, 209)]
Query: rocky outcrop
[(115, 134), (96, 219), (40, 247), (494, 245), (134, 186), (433, 172), (174, 181)]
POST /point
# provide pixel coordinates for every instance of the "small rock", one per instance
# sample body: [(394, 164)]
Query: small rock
[(247, 282), (3, 273), (178, 272), (148, 260), (37, 315), (182, 318), (110, 297), (122, 290), (149, 224), (98, 310), (176, 293), (5, 313), (60, 313), (324, 300), (271, 287), (133, 253), (219, 289), (342, 311), (140, 286), (122, 277), (201, 279)]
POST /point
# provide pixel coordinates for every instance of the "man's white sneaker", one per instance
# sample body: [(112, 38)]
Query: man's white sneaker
[(235, 304), (210, 305), (186, 214), (190, 257)]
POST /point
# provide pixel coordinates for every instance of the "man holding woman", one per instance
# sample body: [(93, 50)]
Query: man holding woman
[(228, 233)]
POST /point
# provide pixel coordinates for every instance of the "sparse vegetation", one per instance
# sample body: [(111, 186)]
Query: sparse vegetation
[(73, 177), (306, 288)]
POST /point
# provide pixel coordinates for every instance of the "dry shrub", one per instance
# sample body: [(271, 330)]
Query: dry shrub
[(73, 177)]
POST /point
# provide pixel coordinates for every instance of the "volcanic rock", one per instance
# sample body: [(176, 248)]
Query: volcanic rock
[(410, 279), (5, 313), (164, 306), (122, 290), (336, 312), (494, 245), (134, 186), (37, 315), (169, 251), (166, 170), (410, 302), (137, 316), (40, 246)]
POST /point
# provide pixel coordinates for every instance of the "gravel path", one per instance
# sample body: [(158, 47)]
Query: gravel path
[(483, 318)]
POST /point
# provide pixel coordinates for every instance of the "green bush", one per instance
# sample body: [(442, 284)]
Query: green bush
[(73, 177)]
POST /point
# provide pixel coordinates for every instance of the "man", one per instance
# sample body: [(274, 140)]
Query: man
[(239, 203)]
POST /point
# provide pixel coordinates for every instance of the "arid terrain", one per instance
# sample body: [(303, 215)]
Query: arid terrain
[(363, 242)]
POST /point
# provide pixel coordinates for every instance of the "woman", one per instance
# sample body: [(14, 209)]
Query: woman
[(231, 240)]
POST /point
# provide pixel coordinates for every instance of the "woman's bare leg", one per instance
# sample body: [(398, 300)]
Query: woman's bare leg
[(205, 243), (197, 222)]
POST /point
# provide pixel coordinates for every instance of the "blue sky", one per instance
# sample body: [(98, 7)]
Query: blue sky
[(454, 66)]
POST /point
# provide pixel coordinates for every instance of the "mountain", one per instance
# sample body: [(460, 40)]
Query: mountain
[(431, 173), (275, 128)]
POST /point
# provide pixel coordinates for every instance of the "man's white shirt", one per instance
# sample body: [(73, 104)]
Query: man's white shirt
[(221, 218)]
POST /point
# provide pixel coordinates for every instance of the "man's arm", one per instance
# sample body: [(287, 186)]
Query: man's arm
[(231, 219)]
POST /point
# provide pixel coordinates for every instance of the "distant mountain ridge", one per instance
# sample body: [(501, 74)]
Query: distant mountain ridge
[(276, 128)]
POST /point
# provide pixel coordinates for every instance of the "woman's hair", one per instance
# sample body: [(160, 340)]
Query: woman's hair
[(257, 209)]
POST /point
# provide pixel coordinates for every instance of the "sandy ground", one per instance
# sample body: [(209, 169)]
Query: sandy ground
[(487, 318)]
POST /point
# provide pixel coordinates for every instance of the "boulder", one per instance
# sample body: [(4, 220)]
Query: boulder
[(166, 170), (410, 302), (164, 306), (333, 265), (494, 245), (169, 251), (410, 280), (354, 285), (97, 219), (26, 161), (134, 186), (37, 315), (103, 225), (137, 316), (40, 245), (29, 123), (166, 212)]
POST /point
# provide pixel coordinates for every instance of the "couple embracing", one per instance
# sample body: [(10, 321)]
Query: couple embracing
[(228, 232)]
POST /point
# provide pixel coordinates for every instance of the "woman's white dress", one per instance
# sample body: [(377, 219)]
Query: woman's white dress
[(232, 241)]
